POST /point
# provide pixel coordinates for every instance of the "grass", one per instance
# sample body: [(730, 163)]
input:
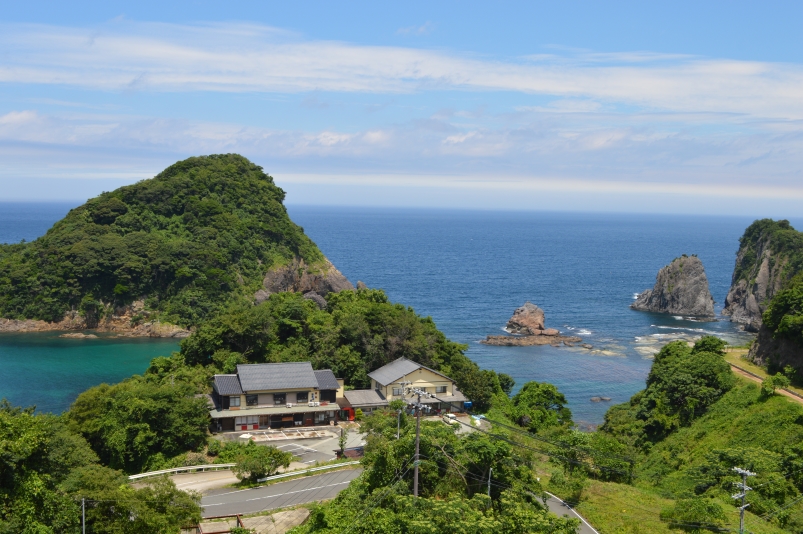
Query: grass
[(737, 356), (615, 508)]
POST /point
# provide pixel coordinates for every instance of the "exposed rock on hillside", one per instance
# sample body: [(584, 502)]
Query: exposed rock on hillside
[(769, 255), (527, 325), (302, 278), (775, 351), (681, 288)]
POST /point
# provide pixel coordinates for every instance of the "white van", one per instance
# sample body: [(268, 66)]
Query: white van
[(449, 418)]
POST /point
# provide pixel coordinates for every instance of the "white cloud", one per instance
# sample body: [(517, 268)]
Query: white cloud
[(130, 56), (424, 29)]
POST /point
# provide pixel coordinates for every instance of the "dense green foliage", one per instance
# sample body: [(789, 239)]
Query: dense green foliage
[(358, 332), (694, 423), (453, 480), (136, 424), (200, 233), (786, 244), (46, 469), (683, 382), (784, 315)]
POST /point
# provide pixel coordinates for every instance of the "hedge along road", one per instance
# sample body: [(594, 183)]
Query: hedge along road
[(280, 495)]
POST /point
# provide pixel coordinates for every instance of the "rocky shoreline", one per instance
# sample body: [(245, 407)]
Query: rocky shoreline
[(123, 323)]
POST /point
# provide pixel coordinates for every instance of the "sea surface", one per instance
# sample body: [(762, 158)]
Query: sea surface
[(468, 270)]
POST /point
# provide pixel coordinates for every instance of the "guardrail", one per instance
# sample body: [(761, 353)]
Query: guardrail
[(742, 369), (206, 467), (304, 471)]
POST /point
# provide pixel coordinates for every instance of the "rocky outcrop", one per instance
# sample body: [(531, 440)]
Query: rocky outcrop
[(361, 285), (527, 341), (299, 277), (775, 352), (527, 320), (527, 327), (681, 288), (124, 321), (762, 269), (316, 298)]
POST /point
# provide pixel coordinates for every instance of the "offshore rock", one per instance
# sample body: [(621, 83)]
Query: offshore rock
[(527, 320), (527, 325), (299, 277), (681, 288), (527, 341), (361, 285)]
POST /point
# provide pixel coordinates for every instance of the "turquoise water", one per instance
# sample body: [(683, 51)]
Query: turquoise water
[(468, 270), (49, 372)]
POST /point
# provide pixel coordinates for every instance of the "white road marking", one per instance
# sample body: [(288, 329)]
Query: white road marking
[(280, 494)]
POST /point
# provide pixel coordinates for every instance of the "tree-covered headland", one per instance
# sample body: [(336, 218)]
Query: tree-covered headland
[(199, 235)]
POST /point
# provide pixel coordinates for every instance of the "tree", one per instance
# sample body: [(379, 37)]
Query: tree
[(507, 383), (130, 423), (255, 461), (772, 383)]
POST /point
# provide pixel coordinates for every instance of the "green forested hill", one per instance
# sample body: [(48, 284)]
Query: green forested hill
[(201, 232)]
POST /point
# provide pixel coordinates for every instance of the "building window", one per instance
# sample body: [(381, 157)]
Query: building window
[(302, 396), (279, 398), (251, 400), (397, 392), (234, 401), (440, 389)]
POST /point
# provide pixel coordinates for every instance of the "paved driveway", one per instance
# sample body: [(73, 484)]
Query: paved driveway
[(299, 491)]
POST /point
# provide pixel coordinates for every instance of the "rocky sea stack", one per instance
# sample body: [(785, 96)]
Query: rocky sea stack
[(527, 325), (681, 288)]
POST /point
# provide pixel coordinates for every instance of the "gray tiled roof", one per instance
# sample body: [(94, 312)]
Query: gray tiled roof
[(326, 379), (387, 374), (365, 397), (228, 385), (267, 376), (393, 371)]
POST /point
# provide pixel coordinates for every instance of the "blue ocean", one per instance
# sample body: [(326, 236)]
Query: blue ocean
[(468, 270)]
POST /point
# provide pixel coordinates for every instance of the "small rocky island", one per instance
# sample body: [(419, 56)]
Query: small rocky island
[(527, 327), (681, 288)]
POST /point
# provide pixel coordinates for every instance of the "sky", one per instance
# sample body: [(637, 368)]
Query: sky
[(684, 107)]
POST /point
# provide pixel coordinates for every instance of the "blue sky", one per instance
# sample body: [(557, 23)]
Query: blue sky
[(681, 108)]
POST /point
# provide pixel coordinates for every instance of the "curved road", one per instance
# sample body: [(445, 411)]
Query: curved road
[(280, 495)]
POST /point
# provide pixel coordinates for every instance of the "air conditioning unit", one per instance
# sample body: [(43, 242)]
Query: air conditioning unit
[(317, 403), (289, 404), (310, 403)]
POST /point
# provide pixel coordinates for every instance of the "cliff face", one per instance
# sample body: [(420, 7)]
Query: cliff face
[(770, 254), (681, 288), (776, 352)]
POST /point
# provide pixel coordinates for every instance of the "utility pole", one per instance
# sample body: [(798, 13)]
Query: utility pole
[(417, 440), (83, 515), (398, 423), (418, 407), (490, 470), (745, 488)]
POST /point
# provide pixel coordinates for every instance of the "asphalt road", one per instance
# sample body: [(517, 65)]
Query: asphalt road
[(299, 491), (561, 509)]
